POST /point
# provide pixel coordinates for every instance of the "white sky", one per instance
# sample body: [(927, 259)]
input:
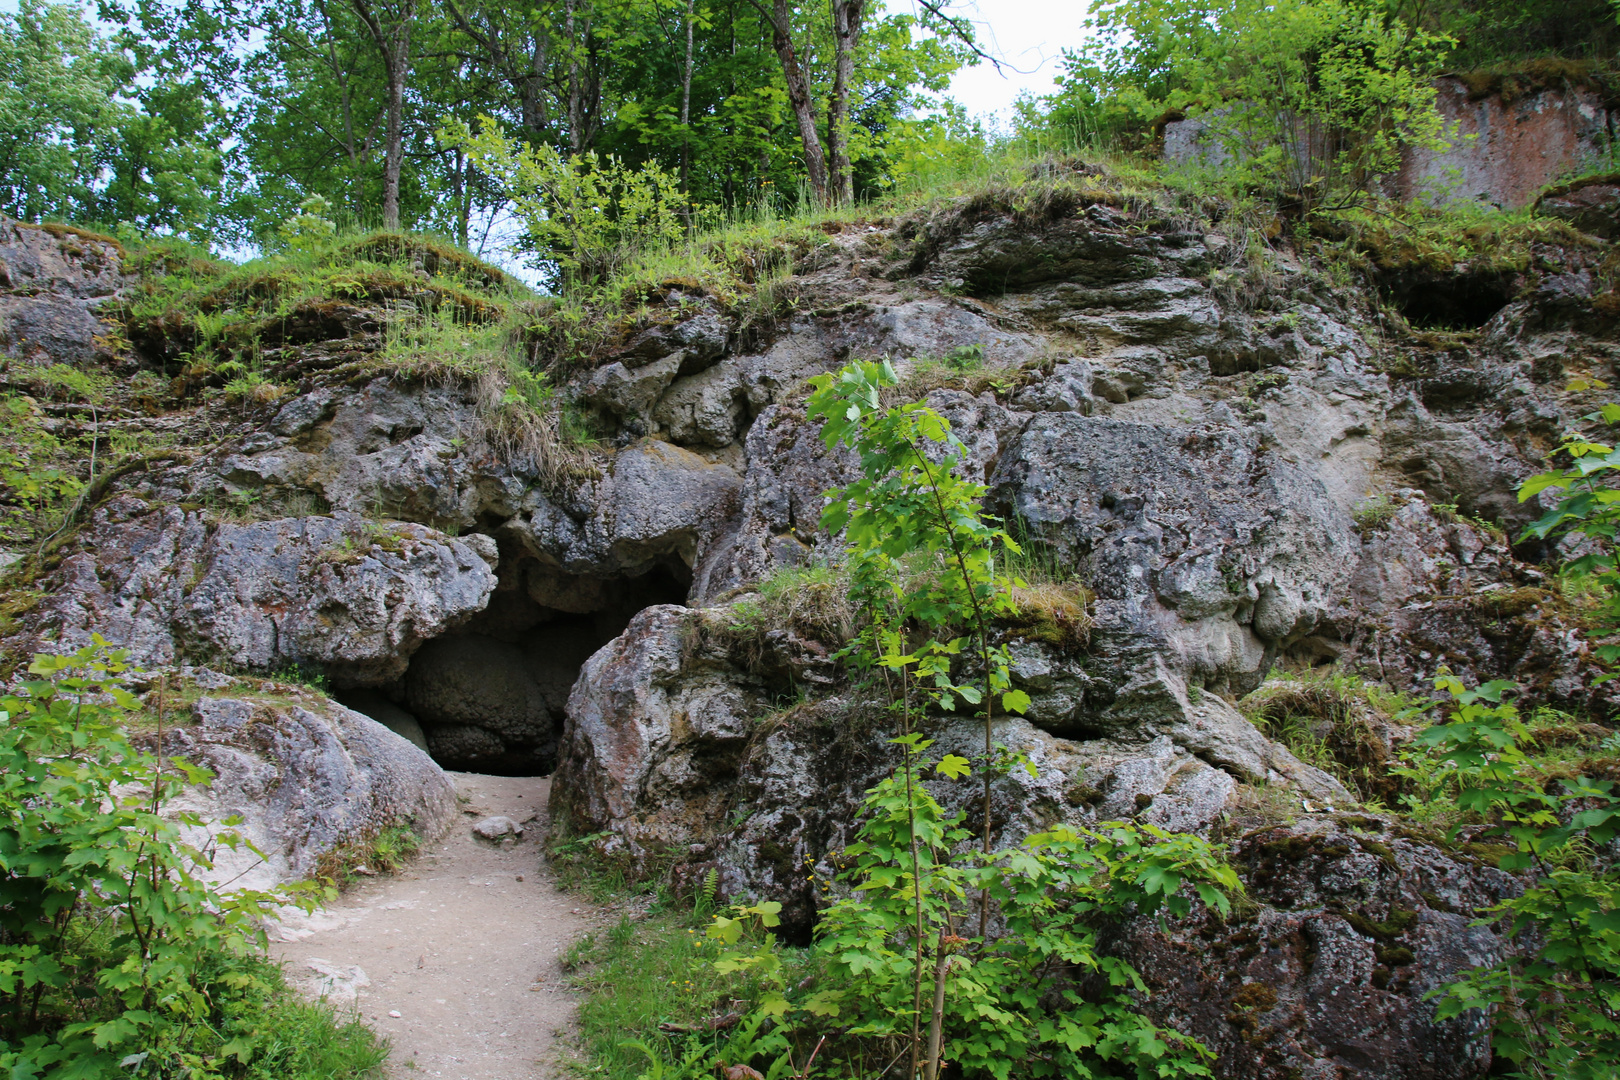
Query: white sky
[(1029, 35)]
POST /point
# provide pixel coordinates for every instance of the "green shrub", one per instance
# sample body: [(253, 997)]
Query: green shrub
[(38, 476), (1315, 99), (1588, 506), (1035, 997), (1554, 1001), (588, 213), (117, 958)]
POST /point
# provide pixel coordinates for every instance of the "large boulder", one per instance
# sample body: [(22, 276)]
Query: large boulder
[(1350, 921), (306, 776), (671, 727), (336, 593), (1591, 205), (674, 751), (1205, 540)]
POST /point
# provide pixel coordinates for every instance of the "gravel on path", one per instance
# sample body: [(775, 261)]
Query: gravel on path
[(456, 960)]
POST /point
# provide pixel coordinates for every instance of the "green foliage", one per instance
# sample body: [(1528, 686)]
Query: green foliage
[(812, 600), (38, 478), (385, 851), (1039, 998), (920, 551), (1315, 99), (1588, 506), (117, 958), (1555, 1003), (1326, 718), (1007, 1015), (73, 143), (1518, 37), (1373, 513), (1456, 238), (586, 213), (653, 999), (310, 228)]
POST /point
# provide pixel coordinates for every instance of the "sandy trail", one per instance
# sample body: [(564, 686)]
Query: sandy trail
[(457, 958)]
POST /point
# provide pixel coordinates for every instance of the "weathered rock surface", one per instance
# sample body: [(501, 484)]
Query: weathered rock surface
[(306, 778), (1591, 205), (673, 749), (1507, 146), (1433, 589), (54, 283), (334, 592), (1325, 976), (669, 735)]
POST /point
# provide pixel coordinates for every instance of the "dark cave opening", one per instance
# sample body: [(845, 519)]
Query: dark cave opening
[(490, 695), (1449, 301)]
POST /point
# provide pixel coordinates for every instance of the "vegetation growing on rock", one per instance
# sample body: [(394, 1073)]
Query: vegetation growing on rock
[(1209, 473), (116, 952)]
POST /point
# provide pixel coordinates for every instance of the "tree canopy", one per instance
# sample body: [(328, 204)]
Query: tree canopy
[(217, 119)]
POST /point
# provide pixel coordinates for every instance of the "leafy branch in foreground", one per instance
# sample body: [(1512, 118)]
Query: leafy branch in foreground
[(1555, 1004), (117, 957), (1588, 507), (921, 553), (1038, 998)]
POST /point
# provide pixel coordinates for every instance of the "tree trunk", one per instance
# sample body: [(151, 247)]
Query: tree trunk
[(394, 158), (584, 88), (686, 105), (798, 88), (847, 18), (461, 191), (393, 41), (936, 1022), (533, 92)]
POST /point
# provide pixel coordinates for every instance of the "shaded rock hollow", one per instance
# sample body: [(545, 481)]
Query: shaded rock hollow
[(1197, 438)]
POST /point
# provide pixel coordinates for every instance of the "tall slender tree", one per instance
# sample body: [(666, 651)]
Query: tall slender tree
[(847, 16), (389, 23), (780, 19)]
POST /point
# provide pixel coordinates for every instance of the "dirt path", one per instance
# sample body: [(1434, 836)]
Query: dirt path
[(455, 960)]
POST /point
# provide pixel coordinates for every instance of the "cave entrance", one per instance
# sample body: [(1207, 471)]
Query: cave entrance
[(1459, 301), (490, 695)]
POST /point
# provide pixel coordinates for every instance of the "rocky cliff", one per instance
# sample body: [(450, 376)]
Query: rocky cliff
[(1509, 134), (1253, 447)]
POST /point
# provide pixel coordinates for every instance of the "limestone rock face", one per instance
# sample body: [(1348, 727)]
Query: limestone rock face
[(380, 449), (1243, 548), (671, 748), (664, 734), (305, 779), (1354, 924), (332, 592), (1432, 589), (1592, 206), (53, 285)]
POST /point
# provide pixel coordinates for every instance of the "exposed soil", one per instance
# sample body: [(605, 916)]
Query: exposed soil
[(456, 959)]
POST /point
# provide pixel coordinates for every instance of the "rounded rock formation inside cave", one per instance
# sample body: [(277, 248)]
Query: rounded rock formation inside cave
[(490, 696)]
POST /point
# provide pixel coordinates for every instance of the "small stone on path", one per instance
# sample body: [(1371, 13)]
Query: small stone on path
[(493, 828)]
